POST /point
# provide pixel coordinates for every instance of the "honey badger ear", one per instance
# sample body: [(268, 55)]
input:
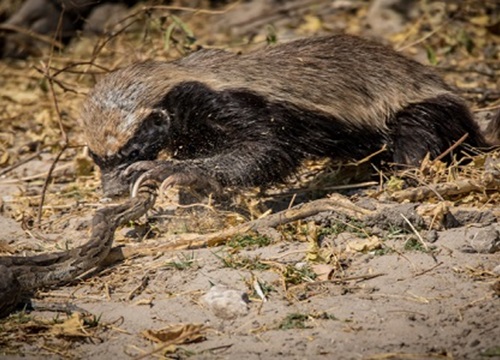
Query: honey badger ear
[(160, 118)]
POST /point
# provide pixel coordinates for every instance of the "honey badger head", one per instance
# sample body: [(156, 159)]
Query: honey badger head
[(124, 122)]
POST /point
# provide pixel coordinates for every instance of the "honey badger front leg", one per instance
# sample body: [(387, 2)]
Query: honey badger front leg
[(252, 163)]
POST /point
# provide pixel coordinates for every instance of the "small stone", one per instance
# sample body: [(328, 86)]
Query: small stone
[(496, 269), (226, 303), (485, 241), (11, 230), (431, 236)]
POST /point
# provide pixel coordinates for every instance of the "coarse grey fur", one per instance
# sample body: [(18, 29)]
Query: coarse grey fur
[(231, 119)]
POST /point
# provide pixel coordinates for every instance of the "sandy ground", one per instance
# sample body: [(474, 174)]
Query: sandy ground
[(418, 304)]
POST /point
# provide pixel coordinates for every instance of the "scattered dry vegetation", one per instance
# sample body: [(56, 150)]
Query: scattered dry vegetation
[(312, 269)]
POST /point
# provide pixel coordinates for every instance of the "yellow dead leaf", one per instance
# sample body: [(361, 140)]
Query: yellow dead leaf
[(364, 245), (73, 327), (311, 24), (20, 97), (395, 184), (314, 253), (482, 20), (83, 165), (147, 302), (434, 214), (4, 158), (322, 271), (5, 248), (176, 334)]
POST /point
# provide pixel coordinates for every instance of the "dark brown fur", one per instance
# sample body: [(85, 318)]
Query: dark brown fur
[(251, 119)]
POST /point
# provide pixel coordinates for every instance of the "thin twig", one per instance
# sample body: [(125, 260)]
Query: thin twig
[(424, 244), (51, 78), (489, 108), (337, 280), (34, 177), (56, 106), (452, 147), (335, 203), (425, 37), (193, 10), (39, 37), (22, 162), (430, 269), (46, 183), (61, 127)]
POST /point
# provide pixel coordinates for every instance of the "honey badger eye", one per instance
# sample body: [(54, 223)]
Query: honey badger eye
[(157, 120), (134, 154)]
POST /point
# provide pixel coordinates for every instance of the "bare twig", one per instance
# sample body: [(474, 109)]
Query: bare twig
[(46, 183), (446, 189), (166, 344), (489, 108), (52, 78), (68, 67), (34, 35), (22, 162), (35, 176), (451, 148), (419, 237), (429, 269), (193, 10), (339, 280), (61, 127)]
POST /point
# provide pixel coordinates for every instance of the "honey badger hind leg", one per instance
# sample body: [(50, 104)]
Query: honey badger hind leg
[(431, 127)]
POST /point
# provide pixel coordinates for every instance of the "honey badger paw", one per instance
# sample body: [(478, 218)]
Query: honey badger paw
[(132, 172), (170, 173)]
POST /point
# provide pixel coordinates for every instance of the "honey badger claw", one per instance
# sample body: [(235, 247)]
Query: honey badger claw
[(168, 175), (132, 173)]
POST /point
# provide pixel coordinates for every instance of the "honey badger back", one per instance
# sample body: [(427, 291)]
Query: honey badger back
[(251, 119)]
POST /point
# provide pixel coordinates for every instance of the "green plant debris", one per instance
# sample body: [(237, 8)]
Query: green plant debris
[(185, 261), (299, 321), (248, 241), (294, 321), (414, 245), (492, 352), (295, 276), (235, 261)]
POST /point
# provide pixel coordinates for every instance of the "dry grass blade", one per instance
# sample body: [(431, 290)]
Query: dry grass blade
[(448, 189), (173, 335)]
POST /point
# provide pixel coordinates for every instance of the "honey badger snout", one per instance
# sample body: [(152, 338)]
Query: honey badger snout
[(119, 181), (114, 183)]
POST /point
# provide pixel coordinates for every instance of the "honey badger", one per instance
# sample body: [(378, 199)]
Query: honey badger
[(246, 120)]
